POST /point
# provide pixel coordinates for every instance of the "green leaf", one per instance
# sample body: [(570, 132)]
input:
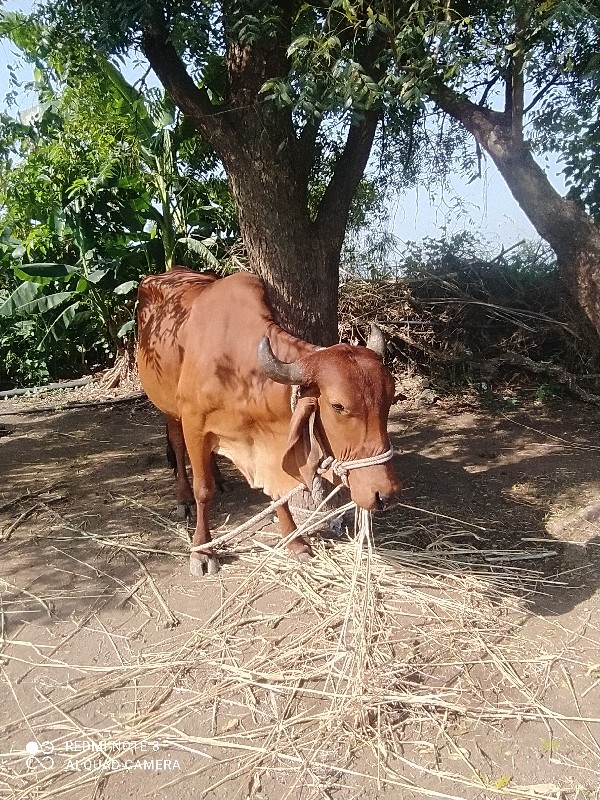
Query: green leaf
[(298, 44), (125, 288), (67, 316), (96, 275), (45, 303), (49, 270), (502, 782), (130, 96), (22, 295), (61, 323), (201, 249), (126, 328), (23, 276)]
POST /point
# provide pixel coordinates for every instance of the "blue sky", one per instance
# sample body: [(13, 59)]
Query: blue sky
[(484, 206)]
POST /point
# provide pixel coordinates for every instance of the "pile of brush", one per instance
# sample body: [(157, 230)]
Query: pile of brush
[(479, 323)]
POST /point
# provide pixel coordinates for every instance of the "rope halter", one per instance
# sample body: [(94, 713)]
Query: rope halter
[(342, 468), (336, 465)]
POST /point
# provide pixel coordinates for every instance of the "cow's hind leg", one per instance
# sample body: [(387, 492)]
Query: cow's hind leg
[(186, 505), (201, 459), (217, 474), (299, 546)]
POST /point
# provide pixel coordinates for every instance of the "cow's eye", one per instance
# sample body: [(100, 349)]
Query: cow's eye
[(338, 407)]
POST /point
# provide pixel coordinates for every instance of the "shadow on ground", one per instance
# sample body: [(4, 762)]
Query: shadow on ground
[(88, 481)]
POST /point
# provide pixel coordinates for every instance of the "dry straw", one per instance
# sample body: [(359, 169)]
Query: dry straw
[(368, 668)]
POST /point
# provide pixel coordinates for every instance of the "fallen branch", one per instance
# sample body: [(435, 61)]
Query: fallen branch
[(29, 495), (49, 387), (492, 365), (466, 316), (113, 401), (553, 371)]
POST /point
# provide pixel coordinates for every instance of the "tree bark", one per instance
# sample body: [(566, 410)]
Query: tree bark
[(561, 222), (269, 163), (298, 257)]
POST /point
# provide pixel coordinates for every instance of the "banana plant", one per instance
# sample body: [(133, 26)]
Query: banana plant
[(162, 133), (99, 184)]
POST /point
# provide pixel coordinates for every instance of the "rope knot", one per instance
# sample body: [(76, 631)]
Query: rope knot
[(338, 467), (342, 468)]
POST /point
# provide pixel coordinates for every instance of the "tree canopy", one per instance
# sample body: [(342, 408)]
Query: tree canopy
[(521, 78), (295, 100), (294, 145)]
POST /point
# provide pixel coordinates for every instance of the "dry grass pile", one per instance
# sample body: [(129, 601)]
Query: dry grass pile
[(369, 667), (465, 322)]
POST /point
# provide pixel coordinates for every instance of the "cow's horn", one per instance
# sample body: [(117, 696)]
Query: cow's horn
[(376, 341), (278, 371)]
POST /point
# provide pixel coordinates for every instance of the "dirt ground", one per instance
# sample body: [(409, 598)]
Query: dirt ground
[(94, 576)]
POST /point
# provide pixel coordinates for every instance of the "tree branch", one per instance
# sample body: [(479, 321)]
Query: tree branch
[(537, 97), (305, 150), (517, 78), (489, 85), (349, 169), (481, 122), (172, 73), (252, 60)]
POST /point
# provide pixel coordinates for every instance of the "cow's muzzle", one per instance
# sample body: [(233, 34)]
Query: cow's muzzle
[(375, 488), (385, 501)]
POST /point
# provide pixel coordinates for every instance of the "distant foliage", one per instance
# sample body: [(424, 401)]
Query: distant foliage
[(100, 184)]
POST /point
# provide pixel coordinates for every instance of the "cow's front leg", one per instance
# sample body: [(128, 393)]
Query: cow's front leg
[(199, 452), (299, 546), (186, 505)]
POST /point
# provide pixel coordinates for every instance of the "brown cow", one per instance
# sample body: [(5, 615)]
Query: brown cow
[(214, 361)]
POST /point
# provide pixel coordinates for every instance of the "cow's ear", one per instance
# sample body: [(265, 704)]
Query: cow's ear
[(303, 453)]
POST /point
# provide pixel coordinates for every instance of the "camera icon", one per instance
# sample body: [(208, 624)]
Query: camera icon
[(39, 755)]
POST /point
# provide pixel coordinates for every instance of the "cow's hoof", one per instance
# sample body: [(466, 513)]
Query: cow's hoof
[(301, 549), (186, 511), (212, 566), (201, 563)]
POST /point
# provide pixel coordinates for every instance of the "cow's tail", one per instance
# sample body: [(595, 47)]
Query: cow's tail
[(171, 459)]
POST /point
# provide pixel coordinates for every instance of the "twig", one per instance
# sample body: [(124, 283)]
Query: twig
[(171, 619), (7, 532), (442, 516), (29, 495), (245, 526), (522, 556), (19, 590)]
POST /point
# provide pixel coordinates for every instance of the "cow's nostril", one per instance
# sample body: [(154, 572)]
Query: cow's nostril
[(385, 501)]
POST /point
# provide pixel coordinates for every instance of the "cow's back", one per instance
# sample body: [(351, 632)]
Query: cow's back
[(198, 336), (164, 305)]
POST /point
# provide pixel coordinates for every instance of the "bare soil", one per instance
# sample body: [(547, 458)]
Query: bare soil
[(94, 575)]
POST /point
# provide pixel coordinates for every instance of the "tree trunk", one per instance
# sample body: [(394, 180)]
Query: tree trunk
[(299, 264), (561, 222), (269, 162)]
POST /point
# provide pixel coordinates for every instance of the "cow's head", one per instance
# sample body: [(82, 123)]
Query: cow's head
[(344, 399)]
